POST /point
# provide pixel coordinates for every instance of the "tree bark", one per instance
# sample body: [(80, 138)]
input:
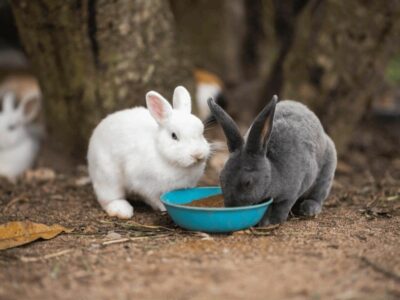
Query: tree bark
[(212, 32), (96, 56), (337, 60)]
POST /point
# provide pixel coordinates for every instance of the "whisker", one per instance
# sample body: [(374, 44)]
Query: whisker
[(207, 129), (218, 146)]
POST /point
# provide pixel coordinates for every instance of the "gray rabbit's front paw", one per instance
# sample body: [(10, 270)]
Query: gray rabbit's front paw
[(277, 214), (310, 208), (271, 220)]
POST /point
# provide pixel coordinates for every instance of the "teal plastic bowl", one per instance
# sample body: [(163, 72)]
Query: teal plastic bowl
[(207, 219)]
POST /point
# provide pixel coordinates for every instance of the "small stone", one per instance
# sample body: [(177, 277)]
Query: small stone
[(111, 235), (93, 247)]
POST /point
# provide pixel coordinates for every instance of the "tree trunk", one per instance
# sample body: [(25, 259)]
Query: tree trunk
[(337, 59), (96, 56), (212, 31)]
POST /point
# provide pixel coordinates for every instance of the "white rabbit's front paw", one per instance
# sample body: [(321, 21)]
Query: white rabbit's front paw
[(119, 208), (156, 204), (160, 206)]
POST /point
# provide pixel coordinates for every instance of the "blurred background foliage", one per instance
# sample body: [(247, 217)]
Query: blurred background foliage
[(393, 71), (92, 57)]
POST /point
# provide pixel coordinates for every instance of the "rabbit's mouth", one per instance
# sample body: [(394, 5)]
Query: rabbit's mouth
[(256, 202), (239, 202), (200, 161), (190, 164), (259, 202), (197, 162)]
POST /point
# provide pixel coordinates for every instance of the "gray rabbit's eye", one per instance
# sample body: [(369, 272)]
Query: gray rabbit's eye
[(246, 183), (173, 135)]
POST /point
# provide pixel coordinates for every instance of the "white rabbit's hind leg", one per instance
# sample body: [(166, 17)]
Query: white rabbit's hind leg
[(119, 208), (110, 194)]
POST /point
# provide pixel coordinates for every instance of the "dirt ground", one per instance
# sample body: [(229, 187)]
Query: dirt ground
[(350, 251)]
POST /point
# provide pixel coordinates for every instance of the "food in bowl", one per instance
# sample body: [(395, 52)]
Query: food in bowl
[(210, 219), (211, 201)]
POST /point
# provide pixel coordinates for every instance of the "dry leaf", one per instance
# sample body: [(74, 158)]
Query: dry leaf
[(14, 234)]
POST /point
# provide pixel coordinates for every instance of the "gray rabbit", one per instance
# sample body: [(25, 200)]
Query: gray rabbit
[(285, 154)]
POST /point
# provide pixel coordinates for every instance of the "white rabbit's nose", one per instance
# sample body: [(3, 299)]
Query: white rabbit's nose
[(198, 156)]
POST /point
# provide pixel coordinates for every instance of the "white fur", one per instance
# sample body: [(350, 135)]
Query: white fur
[(18, 147), (132, 151), (204, 91)]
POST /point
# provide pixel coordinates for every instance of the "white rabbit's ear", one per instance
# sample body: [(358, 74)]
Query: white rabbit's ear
[(30, 106), (181, 99), (158, 106), (8, 102)]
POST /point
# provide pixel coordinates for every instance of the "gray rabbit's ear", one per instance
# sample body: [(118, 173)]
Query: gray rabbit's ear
[(261, 128), (232, 133)]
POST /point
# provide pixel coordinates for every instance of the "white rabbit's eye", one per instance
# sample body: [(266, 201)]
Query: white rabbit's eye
[(173, 135), (12, 127)]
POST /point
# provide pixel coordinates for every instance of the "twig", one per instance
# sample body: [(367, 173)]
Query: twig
[(124, 240), (117, 241), (133, 224), (393, 198), (204, 236), (373, 202), (153, 227), (44, 257), (97, 234), (381, 270), (264, 230), (13, 201)]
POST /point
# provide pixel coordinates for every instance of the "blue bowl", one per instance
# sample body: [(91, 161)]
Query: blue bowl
[(210, 219)]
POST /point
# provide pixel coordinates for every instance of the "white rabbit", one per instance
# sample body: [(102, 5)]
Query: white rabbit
[(146, 152), (18, 145)]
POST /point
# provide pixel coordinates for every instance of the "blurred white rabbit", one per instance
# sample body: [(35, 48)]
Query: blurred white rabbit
[(208, 85), (19, 139), (147, 152)]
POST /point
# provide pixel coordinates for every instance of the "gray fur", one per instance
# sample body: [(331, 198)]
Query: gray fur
[(294, 162)]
